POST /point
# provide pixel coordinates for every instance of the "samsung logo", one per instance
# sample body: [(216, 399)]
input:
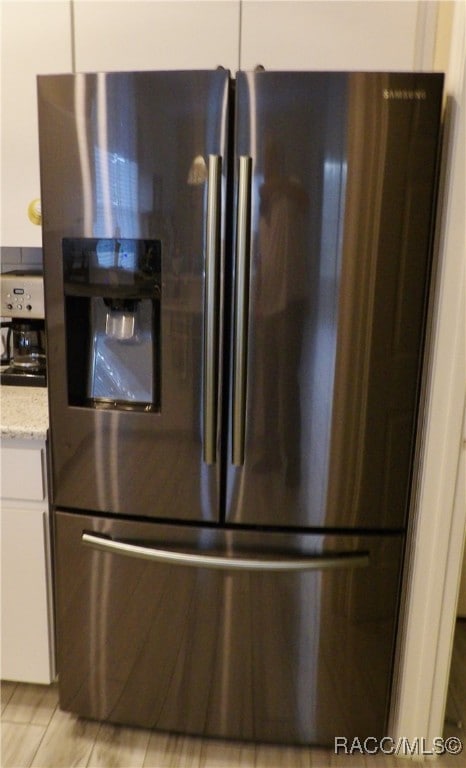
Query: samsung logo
[(403, 94)]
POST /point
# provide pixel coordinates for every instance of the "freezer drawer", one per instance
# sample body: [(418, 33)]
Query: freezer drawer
[(270, 644)]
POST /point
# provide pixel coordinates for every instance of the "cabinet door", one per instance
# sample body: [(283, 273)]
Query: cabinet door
[(35, 38), (123, 35), (339, 35), (26, 639)]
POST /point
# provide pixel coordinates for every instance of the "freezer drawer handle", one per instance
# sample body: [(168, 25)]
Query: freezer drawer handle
[(241, 309), (316, 563), (211, 310)]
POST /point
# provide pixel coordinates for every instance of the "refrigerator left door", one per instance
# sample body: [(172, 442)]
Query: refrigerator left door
[(133, 176)]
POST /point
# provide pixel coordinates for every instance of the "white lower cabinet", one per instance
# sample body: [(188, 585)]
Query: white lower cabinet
[(27, 648)]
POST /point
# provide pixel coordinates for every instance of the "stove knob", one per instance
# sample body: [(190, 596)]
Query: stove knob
[(28, 307)]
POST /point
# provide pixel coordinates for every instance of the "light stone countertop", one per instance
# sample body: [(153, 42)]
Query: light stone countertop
[(24, 412)]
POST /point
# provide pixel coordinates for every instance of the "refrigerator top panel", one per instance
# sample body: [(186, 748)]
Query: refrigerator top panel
[(335, 189), (132, 166)]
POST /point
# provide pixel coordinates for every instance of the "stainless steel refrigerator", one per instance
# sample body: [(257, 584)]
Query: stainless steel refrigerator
[(236, 279)]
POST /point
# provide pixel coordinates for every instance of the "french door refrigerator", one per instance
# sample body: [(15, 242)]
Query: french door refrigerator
[(236, 272)]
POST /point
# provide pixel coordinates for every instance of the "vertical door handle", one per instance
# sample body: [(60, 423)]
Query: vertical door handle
[(241, 309), (210, 376)]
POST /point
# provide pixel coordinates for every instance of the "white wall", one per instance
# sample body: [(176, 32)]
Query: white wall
[(439, 524)]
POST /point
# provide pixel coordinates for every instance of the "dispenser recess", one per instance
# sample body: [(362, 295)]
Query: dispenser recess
[(112, 290)]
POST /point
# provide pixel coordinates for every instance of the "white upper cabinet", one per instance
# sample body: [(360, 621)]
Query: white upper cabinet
[(338, 34), (110, 35), (113, 35), (35, 39)]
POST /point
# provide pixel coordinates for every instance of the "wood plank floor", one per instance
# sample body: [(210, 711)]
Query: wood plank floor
[(36, 734)]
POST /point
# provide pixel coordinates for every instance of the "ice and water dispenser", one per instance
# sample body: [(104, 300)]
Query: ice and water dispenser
[(112, 292)]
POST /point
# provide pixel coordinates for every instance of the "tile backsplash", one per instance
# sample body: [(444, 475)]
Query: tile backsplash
[(20, 258)]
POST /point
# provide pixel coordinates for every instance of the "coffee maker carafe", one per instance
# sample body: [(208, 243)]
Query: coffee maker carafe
[(22, 299), (26, 346)]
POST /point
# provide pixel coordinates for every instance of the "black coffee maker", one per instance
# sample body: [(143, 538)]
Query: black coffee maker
[(22, 298)]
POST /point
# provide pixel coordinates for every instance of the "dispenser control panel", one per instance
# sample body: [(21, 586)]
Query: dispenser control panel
[(22, 295)]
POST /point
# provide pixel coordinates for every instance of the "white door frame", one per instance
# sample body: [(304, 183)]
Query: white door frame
[(434, 553)]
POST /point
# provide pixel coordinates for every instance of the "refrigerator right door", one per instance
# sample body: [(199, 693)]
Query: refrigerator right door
[(335, 184)]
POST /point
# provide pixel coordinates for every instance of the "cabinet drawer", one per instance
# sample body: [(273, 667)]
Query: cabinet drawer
[(23, 473)]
